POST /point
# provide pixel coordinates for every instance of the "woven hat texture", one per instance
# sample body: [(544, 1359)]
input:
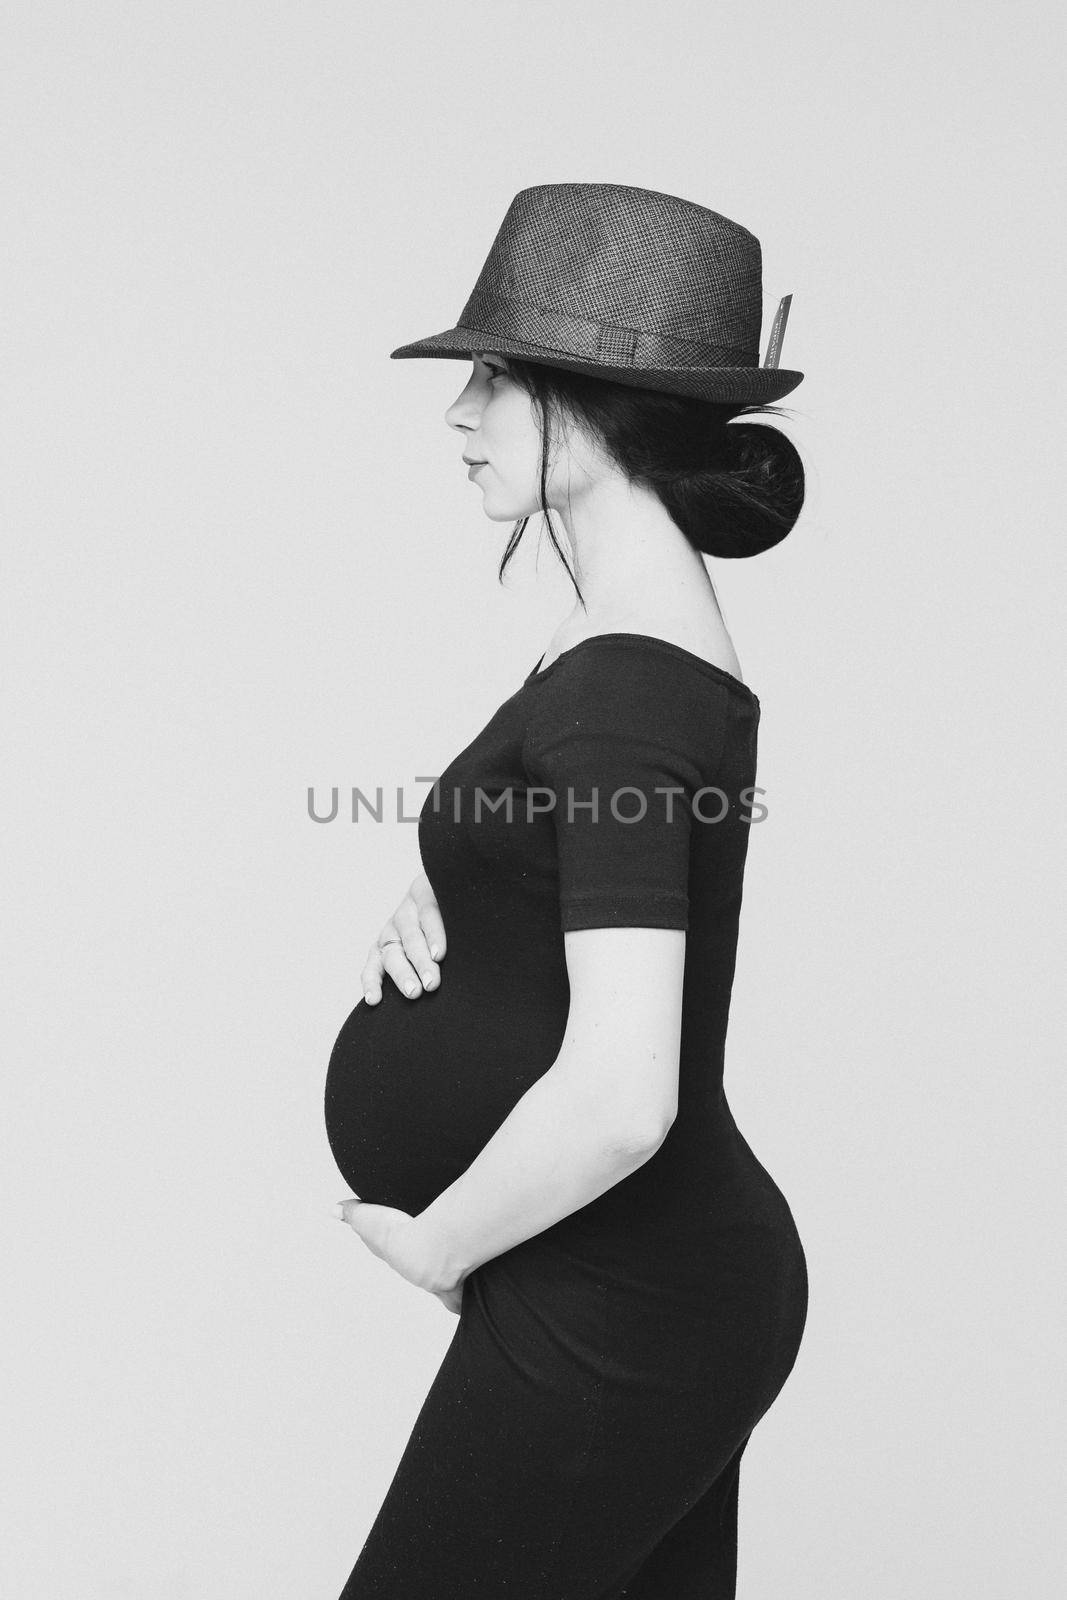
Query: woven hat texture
[(625, 283)]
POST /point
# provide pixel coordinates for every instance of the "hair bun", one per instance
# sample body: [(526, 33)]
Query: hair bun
[(750, 502)]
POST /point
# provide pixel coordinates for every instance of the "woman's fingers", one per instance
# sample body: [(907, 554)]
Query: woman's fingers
[(371, 976), (451, 1299), (418, 925), (416, 948), (386, 954), (408, 947), (429, 914)]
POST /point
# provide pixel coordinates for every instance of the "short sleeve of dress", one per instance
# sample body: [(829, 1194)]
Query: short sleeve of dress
[(623, 739)]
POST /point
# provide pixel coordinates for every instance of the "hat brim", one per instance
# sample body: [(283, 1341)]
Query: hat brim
[(738, 385)]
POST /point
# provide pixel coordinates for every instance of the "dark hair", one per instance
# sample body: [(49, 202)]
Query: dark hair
[(734, 488)]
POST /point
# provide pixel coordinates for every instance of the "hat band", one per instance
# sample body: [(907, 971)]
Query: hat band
[(602, 342)]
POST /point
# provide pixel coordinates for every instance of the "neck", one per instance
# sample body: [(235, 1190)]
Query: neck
[(632, 562)]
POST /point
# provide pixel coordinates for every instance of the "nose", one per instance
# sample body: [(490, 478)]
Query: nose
[(465, 410)]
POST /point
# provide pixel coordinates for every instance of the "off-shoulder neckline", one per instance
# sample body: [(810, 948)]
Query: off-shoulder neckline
[(656, 643)]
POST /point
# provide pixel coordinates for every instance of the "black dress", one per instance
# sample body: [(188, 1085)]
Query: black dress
[(582, 1437)]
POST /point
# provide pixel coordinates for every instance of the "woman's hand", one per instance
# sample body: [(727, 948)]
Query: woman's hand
[(394, 1238), (408, 947)]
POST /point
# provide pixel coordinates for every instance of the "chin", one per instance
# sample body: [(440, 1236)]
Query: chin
[(503, 513)]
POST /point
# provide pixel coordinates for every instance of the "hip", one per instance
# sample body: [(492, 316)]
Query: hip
[(714, 1317)]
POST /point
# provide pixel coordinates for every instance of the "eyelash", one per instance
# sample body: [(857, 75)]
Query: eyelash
[(494, 372)]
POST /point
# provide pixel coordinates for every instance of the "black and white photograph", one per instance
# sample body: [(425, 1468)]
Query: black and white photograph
[(532, 573)]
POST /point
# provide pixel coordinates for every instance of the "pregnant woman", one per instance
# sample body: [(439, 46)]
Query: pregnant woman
[(528, 1101)]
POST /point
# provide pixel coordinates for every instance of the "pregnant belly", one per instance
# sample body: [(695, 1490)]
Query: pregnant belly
[(416, 1088)]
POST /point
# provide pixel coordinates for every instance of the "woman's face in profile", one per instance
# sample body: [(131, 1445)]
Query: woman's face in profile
[(498, 422)]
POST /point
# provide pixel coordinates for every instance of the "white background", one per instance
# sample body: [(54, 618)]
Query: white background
[(240, 557)]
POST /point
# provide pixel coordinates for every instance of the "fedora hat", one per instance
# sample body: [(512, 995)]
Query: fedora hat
[(624, 283)]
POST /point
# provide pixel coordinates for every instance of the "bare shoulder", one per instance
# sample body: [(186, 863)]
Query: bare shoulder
[(700, 635)]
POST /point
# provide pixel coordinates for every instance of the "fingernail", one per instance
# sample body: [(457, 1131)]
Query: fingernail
[(435, 950), (409, 988), (338, 1211)]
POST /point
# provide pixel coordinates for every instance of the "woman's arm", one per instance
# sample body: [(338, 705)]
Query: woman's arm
[(600, 1111)]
